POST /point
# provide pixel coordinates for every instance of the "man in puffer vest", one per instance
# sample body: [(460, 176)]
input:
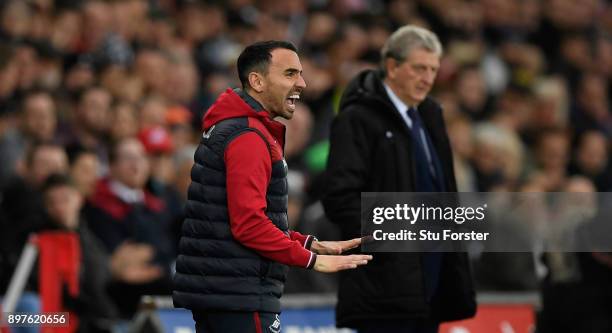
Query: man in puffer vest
[(236, 246)]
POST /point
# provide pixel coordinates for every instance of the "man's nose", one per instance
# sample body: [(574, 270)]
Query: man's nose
[(301, 83), (430, 77)]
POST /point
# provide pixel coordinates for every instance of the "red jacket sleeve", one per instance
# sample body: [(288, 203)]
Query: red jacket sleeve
[(305, 240), (249, 167)]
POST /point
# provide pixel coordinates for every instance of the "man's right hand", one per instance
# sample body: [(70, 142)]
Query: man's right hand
[(131, 263), (331, 264)]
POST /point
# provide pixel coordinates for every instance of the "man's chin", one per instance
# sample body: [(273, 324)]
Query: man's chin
[(421, 97), (288, 114)]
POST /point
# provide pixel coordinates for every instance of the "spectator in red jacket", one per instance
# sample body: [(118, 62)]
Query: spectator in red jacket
[(122, 212)]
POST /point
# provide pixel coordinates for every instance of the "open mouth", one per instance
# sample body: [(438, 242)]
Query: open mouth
[(292, 99)]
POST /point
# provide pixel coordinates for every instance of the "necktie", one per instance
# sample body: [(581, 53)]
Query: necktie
[(426, 181), (418, 133)]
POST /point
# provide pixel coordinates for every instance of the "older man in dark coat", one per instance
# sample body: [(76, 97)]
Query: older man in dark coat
[(389, 136)]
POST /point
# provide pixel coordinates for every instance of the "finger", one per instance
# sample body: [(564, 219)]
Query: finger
[(355, 241), (367, 239), (143, 276), (359, 262), (347, 266), (144, 252), (361, 257), (351, 244)]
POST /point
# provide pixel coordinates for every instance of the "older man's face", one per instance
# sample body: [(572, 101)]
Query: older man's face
[(412, 79)]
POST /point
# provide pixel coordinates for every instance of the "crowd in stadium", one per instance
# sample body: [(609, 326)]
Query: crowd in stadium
[(112, 94)]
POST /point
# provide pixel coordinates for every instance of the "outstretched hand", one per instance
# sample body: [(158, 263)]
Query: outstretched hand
[(131, 263), (338, 247), (331, 264)]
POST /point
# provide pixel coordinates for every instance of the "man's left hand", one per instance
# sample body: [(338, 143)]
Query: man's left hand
[(332, 248)]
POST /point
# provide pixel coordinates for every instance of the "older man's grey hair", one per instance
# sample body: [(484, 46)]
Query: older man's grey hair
[(406, 39)]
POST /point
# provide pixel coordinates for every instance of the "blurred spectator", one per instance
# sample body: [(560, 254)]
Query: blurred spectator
[(122, 212), (84, 169), (513, 109), (79, 75), (63, 202), (552, 104), (498, 157), (9, 76), (163, 176), (16, 19), (462, 142), (472, 92), (37, 123), (151, 65), (92, 118), (124, 122), (21, 205), (178, 120), (320, 30), (298, 132), (575, 292), (107, 45), (65, 34), (181, 83), (158, 146), (152, 112), (552, 156), (183, 161), (591, 160), (592, 106)]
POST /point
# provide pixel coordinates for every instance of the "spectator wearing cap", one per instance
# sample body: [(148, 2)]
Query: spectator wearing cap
[(160, 148), (122, 211), (178, 120)]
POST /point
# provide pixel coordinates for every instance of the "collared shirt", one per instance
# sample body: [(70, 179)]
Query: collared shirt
[(402, 108), (126, 194)]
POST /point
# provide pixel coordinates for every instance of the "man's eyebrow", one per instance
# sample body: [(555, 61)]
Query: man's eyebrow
[(292, 70)]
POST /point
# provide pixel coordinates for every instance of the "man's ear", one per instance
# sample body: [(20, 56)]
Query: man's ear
[(79, 197), (390, 66), (256, 82)]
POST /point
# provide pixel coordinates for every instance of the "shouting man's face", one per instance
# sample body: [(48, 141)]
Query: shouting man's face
[(281, 86)]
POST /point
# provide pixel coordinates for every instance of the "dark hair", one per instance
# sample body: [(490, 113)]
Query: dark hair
[(57, 180), (113, 148), (256, 57), (76, 150), (6, 54)]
